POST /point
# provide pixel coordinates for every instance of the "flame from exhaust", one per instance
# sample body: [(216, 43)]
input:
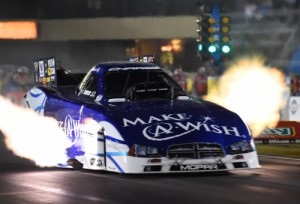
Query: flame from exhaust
[(253, 91), (32, 136)]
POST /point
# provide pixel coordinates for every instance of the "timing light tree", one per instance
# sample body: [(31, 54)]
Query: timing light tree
[(213, 33)]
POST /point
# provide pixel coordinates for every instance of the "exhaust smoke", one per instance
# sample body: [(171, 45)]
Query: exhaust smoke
[(31, 136), (252, 90)]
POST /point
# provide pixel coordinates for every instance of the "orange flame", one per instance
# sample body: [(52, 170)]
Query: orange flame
[(32, 136), (254, 91)]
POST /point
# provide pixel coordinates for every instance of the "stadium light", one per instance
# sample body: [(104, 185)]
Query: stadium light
[(18, 30)]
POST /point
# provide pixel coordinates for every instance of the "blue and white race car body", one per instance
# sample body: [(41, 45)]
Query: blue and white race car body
[(145, 123)]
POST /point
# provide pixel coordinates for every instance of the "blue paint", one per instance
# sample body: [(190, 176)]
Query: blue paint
[(39, 108), (74, 151), (35, 95), (115, 140), (113, 154), (116, 164), (152, 122), (100, 140)]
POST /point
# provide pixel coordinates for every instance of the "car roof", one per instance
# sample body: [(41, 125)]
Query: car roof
[(123, 65)]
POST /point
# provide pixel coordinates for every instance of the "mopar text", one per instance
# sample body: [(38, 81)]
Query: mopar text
[(192, 167)]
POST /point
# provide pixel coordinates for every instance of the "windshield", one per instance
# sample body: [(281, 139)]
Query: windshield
[(140, 84)]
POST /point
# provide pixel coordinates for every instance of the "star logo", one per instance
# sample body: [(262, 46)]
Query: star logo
[(294, 106), (206, 119)]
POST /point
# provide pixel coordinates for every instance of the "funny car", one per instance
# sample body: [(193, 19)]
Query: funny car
[(145, 122)]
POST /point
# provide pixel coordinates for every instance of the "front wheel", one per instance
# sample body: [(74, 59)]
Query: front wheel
[(75, 164)]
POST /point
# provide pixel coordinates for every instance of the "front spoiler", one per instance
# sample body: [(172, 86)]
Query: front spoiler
[(136, 165)]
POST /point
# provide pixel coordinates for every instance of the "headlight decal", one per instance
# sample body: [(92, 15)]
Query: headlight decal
[(240, 147), (138, 150), (252, 143)]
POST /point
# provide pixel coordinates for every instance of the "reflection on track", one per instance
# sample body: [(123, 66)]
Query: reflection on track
[(276, 182)]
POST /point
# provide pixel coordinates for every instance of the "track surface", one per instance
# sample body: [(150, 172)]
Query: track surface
[(278, 181)]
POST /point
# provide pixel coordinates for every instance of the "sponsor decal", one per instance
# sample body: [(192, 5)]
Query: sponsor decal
[(51, 62), (148, 58), (41, 68), (51, 71), (282, 141), (92, 161), (280, 131), (277, 141), (44, 80), (99, 162), (194, 167), (134, 59), (112, 168), (294, 106), (145, 58), (45, 71), (114, 146), (71, 127), (169, 126), (89, 93), (133, 68), (36, 66), (284, 132), (197, 167)]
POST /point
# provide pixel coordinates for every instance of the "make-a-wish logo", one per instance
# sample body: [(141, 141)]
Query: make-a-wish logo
[(170, 126), (71, 127)]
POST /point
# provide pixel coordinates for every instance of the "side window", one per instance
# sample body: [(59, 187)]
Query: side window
[(89, 87)]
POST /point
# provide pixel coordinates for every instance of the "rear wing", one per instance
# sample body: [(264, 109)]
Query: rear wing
[(48, 72), (45, 71)]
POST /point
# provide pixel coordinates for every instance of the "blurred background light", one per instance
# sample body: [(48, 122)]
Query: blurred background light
[(18, 30)]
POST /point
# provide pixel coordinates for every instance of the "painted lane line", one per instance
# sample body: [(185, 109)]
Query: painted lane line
[(16, 193), (278, 157)]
